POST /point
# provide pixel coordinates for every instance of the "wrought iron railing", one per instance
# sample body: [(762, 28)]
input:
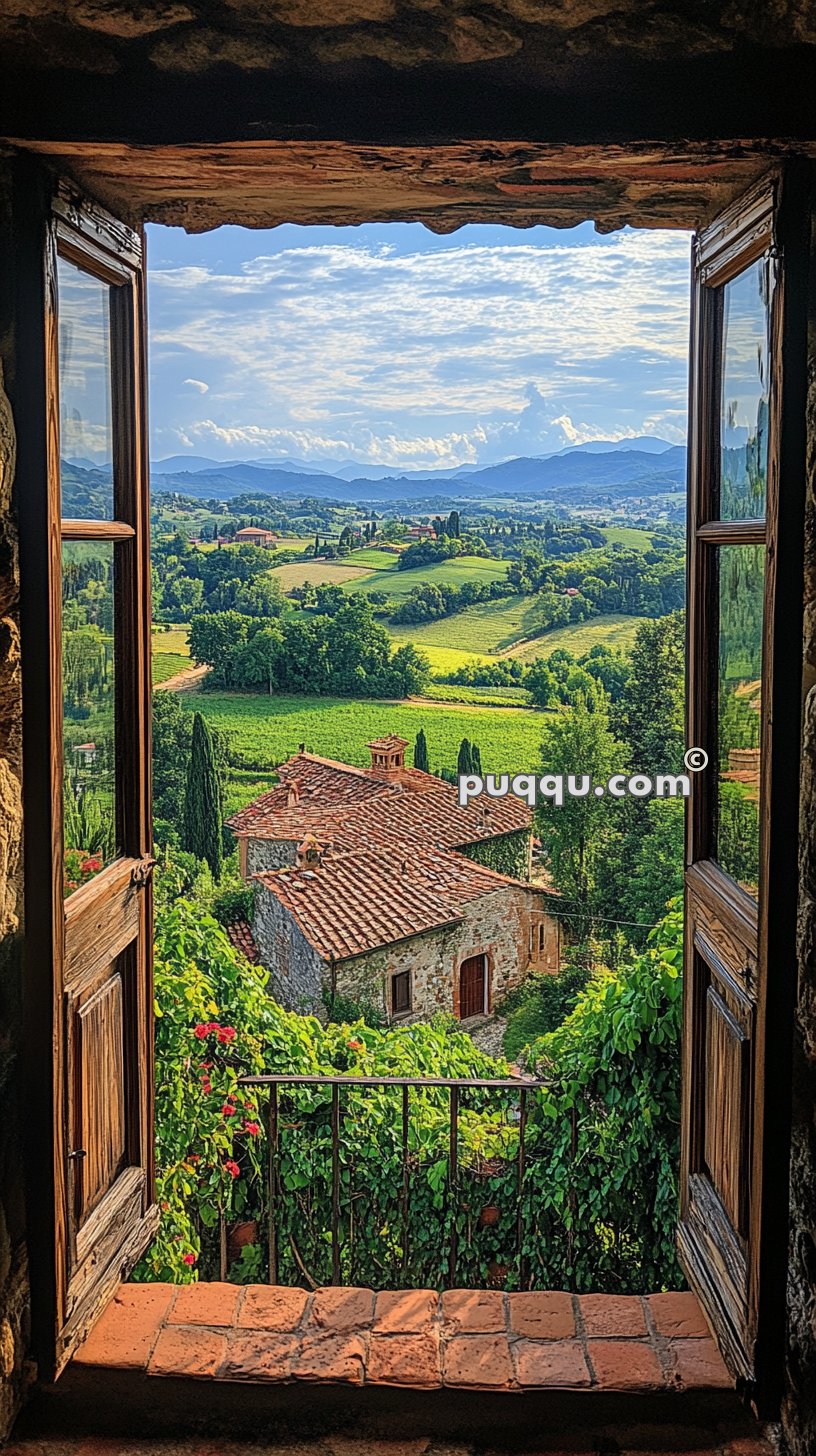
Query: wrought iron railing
[(442, 1193)]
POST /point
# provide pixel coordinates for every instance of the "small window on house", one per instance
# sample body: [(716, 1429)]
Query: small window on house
[(400, 993), (542, 939)]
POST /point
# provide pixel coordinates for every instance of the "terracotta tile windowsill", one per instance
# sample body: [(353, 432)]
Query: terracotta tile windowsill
[(464, 1339)]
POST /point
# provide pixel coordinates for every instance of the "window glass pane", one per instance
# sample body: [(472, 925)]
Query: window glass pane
[(85, 395), (744, 401), (88, 695), (741, 587)]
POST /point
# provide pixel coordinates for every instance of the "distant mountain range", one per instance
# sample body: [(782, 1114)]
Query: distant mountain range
[(585, 475)]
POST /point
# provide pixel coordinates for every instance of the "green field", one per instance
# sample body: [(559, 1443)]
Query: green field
[(479, 697), (454, 573), (174, 639), (373, 557), (167, 664), (628, 536), (263, 731), (510, 628), (614, 631)]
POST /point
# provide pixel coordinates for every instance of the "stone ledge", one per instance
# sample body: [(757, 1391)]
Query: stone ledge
[(478, 1340)]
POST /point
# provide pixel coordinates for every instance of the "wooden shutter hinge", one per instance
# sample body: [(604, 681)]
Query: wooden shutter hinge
[(142, 871)]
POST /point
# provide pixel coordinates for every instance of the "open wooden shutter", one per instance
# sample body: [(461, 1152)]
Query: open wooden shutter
[(746, 501), (88, 879)]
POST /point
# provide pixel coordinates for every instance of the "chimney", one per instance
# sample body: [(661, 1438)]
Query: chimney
[(292, 794), (388, 754), (308, 853)]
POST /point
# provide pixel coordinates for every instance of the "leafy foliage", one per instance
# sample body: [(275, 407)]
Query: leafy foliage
[(602, 1219), (539, 1005)]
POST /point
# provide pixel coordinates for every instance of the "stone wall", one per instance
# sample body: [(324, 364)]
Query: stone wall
[(501, 926), (13, 1273), (297, 974), (269, 854), (799, 1415)]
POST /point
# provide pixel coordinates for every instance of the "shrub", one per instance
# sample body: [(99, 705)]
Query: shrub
[(539, 1006)]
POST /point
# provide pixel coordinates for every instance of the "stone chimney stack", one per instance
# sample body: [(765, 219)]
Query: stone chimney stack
[(292, 794), (388, 754)]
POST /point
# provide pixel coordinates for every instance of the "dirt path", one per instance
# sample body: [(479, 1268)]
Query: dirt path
[(186, 681)]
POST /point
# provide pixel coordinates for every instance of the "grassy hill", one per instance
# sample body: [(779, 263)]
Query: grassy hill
[(454, 573)]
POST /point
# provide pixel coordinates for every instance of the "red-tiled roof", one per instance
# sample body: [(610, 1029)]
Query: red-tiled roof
[(240, 933), (353, 903), (389, 744), (342, 804)]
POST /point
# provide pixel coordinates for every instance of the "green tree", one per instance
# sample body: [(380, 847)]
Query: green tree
[(464, 763), (580, 835), (421, 752), (201, 824), (476, 759), (649, 714)]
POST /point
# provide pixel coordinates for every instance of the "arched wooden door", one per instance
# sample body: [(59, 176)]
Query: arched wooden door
[(473, 987)]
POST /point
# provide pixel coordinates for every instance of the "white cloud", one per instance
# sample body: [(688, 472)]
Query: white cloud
[(441, 355)]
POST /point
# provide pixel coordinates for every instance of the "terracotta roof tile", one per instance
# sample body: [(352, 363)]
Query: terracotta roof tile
[(408, 802), (240, 933), (353, 903)]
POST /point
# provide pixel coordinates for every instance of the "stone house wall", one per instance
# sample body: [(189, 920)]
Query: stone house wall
[(269, 854), (297, 973), (502, 926)]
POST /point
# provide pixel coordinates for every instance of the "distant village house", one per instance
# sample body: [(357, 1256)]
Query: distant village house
[(373, 884), (256, 536)]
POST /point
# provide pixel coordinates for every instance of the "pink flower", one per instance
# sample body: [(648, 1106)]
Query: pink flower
[(232, 1168), (189, 1259)]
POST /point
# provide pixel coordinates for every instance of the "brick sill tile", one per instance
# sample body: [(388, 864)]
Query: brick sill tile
[(416, 1338)]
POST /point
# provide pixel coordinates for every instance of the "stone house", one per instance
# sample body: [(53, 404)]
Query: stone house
[(373, 884)]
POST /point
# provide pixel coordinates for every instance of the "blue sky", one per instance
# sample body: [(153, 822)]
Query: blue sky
[(389, 345)]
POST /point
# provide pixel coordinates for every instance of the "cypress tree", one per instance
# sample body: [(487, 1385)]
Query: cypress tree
[(201, 822), (421, 752), (464, 764), (317, 545), (475, 759)]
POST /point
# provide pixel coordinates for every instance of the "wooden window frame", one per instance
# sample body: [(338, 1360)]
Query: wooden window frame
[(401, 976), (772, 219), (56, 222)]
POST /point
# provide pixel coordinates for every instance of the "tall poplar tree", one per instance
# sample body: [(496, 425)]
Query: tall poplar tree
[(201, 823), (421, 752)]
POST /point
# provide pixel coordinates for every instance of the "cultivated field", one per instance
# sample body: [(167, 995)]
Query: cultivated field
[(510, 628), (263, 731), (317, 573), (454, 573), (171, 653), (628, 536), (614, 631)]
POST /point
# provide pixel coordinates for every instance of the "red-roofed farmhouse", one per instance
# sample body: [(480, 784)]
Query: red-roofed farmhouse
[(375, 885)]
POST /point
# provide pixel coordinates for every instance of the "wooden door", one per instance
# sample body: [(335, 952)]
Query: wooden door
[(744, 688), (473, 987), (96, 1001)]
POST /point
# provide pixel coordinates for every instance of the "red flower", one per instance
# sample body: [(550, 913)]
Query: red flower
[(232, 1168), (232, 1097), (189, 1259), (226, 1034), (253, 1128), (194, 1158), (202, 1030), (355, 1045), (227, 1110), (206, 1084)]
